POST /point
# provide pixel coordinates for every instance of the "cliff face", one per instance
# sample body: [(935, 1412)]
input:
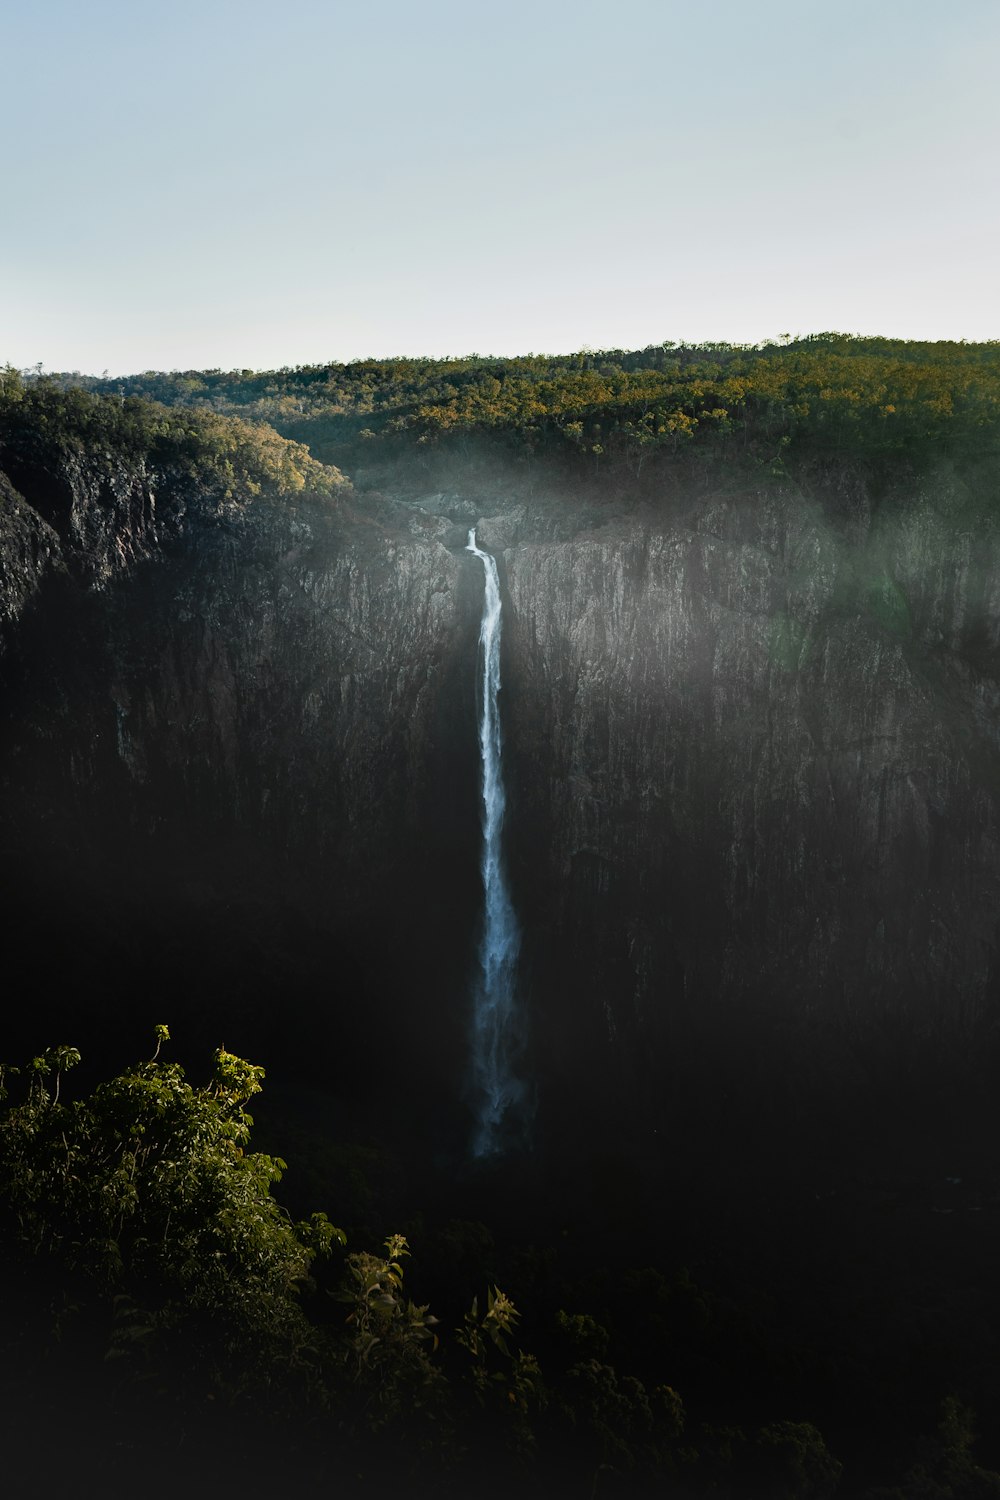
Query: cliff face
[(91, 516), (755, 749), (233, 775), (29, 552), (751, 743)]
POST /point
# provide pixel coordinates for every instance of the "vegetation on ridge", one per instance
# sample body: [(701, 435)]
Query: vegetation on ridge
[(44, 423), (828, 392)]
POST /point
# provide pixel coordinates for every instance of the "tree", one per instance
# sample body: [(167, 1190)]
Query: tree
[(146, 1188)]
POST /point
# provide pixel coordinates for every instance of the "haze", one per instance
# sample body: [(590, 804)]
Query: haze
[(222, 184)]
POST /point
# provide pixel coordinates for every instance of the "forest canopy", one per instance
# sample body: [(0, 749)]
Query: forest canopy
[(45, 421), (826, 392)]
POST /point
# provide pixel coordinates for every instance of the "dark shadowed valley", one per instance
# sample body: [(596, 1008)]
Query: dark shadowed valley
[(734, 1232)]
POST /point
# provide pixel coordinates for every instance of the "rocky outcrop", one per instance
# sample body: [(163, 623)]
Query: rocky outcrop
[(107, 511), (29, 553)]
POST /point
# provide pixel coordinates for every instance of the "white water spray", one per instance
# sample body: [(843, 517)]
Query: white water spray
[(498, 1093)]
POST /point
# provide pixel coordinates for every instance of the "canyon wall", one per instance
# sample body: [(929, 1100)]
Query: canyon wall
[(752, 748), (756, 771)]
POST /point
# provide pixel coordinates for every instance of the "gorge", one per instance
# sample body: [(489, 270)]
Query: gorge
[(751, 757), (751, 770)]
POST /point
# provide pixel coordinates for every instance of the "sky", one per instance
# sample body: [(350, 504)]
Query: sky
[(233, 184)]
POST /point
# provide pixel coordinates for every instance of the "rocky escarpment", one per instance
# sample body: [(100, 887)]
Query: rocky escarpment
[(752, 753), (29, 552), (91, 516), (235, 772), (756, 760)]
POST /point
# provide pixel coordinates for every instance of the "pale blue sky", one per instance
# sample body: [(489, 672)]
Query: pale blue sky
[(222, 183)]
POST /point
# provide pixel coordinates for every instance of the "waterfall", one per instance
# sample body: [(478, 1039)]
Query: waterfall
[(497, 1092)]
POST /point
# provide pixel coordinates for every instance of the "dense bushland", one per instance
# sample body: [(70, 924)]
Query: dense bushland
[(233, 460), (827, 392), (154, 1283)]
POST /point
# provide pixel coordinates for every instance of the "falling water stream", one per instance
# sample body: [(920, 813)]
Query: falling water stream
[(497, 1092)]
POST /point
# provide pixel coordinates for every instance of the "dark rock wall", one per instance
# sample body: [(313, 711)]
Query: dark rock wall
[(238, 777), (29, 552), (751, 739), (755, 747)]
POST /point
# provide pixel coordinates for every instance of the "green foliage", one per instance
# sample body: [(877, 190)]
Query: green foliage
[(628, 1425), (945, 1468), (761, 404), (42, 423), (504, 1380), (620, 1422), (146, 1188), (493, 1327), (793, 1463), (390, 1340), (146, 1191), (585, 1334)]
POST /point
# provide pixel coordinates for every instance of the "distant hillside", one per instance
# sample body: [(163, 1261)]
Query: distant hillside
[(828, 393)]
